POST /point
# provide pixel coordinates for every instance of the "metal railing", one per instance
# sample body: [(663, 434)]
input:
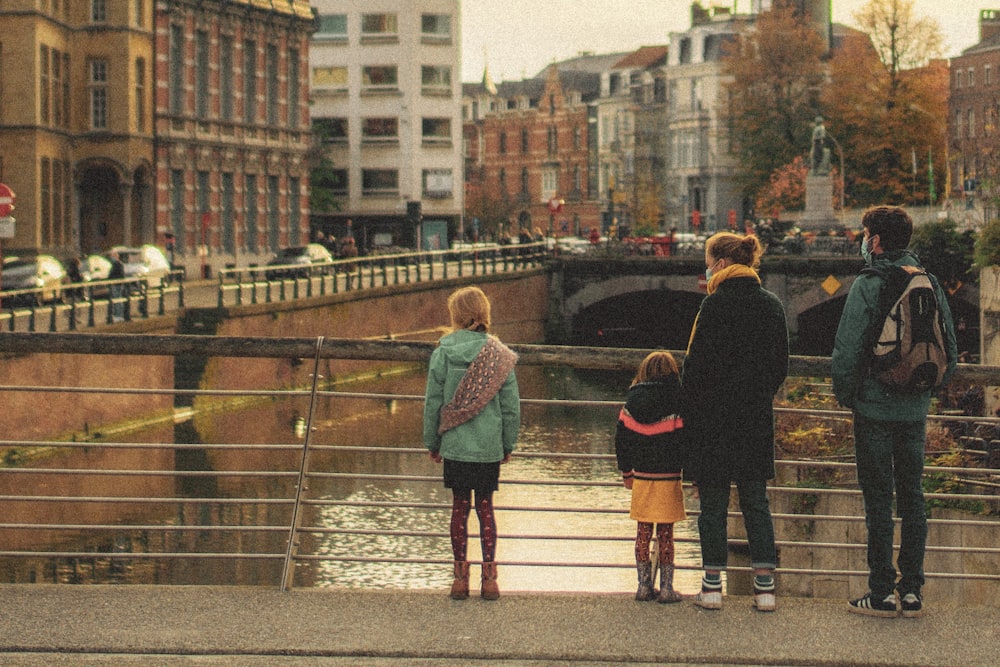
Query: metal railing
[(89, 304), (256, 284), (800, 517)]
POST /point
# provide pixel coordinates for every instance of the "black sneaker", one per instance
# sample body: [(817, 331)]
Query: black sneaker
[(872, 606), (911, 606)]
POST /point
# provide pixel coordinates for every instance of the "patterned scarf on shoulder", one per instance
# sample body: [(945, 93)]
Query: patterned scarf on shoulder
[(481, 382)]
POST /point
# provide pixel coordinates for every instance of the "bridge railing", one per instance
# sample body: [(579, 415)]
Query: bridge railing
[(89, 304), (256, 502), (255, 284)]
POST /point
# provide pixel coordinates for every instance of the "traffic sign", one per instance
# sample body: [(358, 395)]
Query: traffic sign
[(6, 200), (6, 227)]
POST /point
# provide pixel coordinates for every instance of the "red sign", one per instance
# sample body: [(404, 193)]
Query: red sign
[(6, 200), (555, 204)]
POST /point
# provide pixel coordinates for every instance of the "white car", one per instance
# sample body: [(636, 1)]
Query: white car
[(146, 261)]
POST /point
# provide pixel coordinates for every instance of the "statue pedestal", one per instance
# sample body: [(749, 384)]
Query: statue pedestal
[(819, 215)]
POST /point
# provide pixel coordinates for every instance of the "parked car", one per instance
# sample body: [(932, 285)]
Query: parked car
[(44, 273), (95, 268), (147, 262), (308, 257)]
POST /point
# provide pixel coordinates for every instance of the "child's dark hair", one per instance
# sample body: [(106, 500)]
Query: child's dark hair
[(656, 366)]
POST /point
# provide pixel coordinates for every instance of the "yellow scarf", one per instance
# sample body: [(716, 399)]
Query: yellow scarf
[(731, 271)]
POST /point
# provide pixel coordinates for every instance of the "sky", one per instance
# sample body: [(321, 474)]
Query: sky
[(518, 38)]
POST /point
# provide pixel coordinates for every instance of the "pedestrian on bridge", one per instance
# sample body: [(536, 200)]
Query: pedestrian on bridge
[(649, 452), (472, 416), (890, 425), (737, 359)]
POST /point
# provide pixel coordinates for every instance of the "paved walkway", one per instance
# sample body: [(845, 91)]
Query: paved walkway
[(173, 626)]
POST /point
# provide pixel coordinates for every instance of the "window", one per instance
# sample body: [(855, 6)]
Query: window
[(177, 208), (140, 95), (577, 178), (438, 183), (98, 94), (550, 184), (971, 78), (987, 75), (378, 25), (380, 129), (376, 182), (332, 26), (503, 182), (553, 140), (203, 195), (140, 12), (958, 78), (249, 81), (250, 211), (577, 138), (176, 70), (436, 26), (294, 206), (65, 90), (971, 124), (333, 78), (44, 84), (98, 11), (271, 74), (524, 140), (330, 130), (46, 202), (435, 79), (226, 106), (294, 90), (524, 180), (228, 213), (382, 77), (201, 74), (437, 130), (503, 143), (273, 213)]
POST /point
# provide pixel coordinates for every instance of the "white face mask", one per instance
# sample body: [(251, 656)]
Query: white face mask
[(709, 271)]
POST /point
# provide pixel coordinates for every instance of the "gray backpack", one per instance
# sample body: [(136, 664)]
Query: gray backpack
[(908, 346)]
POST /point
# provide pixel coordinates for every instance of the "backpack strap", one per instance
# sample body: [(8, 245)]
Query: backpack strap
[(894, 279)]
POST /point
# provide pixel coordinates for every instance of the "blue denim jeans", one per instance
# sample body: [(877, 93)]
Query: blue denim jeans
[(712, 524), (891, 454)]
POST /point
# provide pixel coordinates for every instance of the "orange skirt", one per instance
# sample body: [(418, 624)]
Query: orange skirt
[(657, 501)]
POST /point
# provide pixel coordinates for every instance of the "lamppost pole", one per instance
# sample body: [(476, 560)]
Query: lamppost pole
[(843, 181)]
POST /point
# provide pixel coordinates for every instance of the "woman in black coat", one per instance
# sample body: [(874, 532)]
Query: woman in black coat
[(736, 361)]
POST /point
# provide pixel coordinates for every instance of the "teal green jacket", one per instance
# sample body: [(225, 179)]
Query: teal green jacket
[(853, 385), (490, 435)]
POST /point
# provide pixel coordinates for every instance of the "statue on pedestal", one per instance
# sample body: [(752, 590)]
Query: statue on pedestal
[(819, 154)]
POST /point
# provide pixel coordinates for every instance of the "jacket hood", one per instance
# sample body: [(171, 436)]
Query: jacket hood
[(463, 345), (649, 402)]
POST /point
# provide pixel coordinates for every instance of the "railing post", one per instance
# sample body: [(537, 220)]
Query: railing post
[(288, 579)]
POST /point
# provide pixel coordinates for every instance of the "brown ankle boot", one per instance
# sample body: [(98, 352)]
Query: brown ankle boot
[(490, 590), (667, 592), (460, 586)]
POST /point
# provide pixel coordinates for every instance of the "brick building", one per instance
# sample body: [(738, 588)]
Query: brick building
[(528, 146), (974, 110), (232, 129)]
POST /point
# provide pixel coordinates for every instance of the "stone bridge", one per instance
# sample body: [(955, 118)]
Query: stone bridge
[(652, 301)]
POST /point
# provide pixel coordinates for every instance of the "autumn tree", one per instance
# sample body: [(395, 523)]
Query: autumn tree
[(776, 72), (890, 121)]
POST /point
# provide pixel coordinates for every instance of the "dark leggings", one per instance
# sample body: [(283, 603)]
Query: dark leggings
[(460, 507), (664, 539)]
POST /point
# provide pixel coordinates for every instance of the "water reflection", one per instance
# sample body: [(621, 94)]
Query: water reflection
[(585, 525)]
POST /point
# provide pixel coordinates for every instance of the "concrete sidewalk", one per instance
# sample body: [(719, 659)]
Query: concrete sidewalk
[(209, 626)]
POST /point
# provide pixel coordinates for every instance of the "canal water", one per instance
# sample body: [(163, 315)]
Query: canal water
[(551, 511)]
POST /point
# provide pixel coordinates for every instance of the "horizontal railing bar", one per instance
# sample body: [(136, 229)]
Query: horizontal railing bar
[(148, 500), (143, 555), (153, 391), (143, 527), (97, 472)]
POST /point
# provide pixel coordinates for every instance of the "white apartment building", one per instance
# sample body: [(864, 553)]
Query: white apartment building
[(387, 98), (700, 169)]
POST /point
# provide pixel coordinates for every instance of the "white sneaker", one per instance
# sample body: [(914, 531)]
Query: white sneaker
[(764, 600), (709, 599)]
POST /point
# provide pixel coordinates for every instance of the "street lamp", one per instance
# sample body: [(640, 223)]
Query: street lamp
[(843, 180)]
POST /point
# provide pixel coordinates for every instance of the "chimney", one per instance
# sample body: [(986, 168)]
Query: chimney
[(989, 24)]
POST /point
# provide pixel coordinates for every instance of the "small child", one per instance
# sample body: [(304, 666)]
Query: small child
[(647, 444), (472, 415)]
